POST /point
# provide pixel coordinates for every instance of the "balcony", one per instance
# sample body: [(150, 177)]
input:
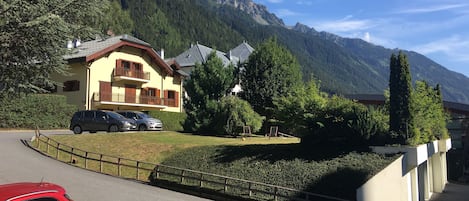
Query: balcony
[(120, 99), (131, 75)]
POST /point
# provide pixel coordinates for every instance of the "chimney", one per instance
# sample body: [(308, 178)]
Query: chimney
[(162, 53)]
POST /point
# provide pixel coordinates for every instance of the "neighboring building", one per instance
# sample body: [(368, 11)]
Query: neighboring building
[(121, 73), (198, 54)]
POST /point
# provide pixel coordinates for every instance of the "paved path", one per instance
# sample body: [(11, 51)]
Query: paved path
[(452, 192), (19, 163)]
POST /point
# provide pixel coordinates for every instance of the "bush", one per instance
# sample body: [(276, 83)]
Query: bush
[(172, 121), (43, 110), (233, 114)]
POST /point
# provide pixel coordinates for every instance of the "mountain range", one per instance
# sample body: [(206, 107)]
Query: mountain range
[(343, 65)]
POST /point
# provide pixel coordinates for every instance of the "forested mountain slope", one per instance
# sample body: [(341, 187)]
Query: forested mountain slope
[(343, 65)]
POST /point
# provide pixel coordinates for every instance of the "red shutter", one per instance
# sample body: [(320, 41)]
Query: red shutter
[(158, 92), (166, 100), (176, 99)]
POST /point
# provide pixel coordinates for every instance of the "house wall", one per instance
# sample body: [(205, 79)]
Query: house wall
[(77, 72), (102, 70), (414, 176)]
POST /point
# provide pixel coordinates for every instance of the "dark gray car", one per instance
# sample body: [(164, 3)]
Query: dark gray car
[(144, 121), (98, 120)]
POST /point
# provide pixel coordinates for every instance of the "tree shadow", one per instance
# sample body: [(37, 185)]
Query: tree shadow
[(340, 184), (276, 152)]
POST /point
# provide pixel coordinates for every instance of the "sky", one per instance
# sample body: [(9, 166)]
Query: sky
[(438, 29)]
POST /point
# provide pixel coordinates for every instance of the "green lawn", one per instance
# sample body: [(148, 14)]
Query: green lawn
[(324, 169), (154, 147)]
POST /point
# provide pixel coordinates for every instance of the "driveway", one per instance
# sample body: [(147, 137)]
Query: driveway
[(22, 164)]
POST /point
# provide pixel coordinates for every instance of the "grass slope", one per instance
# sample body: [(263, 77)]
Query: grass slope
[(152, 147), (331, 171)]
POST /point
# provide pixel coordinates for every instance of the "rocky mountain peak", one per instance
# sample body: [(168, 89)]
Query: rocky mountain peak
[(258, 12)]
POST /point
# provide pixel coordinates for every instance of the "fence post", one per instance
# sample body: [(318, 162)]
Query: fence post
[(275, 193), (182, 176), (201, 179), (136, 176), (225, 189), (119, 167), (57, 154), (71, 154), (86, 160), (250, 189), (48, 139), (157, 171), (100, 163)]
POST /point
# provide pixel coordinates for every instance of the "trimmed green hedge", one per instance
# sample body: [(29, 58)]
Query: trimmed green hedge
[(331, 172), (172, 121), (43, 110)]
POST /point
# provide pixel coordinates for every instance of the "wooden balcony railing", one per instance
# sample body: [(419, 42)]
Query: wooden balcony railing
[(131, 73), (139, 99)]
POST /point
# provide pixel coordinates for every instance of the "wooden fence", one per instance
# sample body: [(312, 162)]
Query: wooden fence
[(128, 168)]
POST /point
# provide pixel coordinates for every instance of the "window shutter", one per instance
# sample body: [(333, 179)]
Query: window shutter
[(118, 63), (158, 93), (176, 98), (144, 92)]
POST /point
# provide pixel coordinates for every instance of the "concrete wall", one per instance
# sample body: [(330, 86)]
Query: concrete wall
[(414, 176)]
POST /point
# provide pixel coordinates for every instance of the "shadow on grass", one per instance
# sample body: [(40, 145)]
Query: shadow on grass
[(276, 152), (341, 184)]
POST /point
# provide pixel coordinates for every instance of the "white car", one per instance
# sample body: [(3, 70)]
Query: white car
[(144, 121)]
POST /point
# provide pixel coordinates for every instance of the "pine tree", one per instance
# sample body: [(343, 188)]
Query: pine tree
[(400, 89)]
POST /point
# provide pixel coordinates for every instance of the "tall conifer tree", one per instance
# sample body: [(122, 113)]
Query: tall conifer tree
[(400, 89)]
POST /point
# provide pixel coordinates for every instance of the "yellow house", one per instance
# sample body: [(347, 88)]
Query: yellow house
[(121, 73)]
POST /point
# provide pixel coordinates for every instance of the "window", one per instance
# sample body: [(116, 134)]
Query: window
[(151, 92), (71, 85), (171, 95), (126, 65)]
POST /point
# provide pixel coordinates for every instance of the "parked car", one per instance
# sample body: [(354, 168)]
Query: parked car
[(33, 192), (99, 120), (144, 121)]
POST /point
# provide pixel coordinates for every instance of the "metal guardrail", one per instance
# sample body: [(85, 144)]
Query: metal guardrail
[(225, 184)]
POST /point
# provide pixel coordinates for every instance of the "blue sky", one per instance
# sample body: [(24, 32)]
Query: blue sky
[(438, 29)]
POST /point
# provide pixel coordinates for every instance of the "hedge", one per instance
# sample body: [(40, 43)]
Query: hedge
[(43, 110), (172, 121)]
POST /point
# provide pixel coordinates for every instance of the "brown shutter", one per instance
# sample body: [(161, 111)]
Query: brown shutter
[(118, 63), (176, 98), (158, 92), (166, 100)]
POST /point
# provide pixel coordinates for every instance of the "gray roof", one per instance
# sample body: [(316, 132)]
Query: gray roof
[(198, 54), (242, 52), (90, 47)]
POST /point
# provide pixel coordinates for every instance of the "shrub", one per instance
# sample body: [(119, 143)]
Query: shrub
[(43, 110), (172, 121), (233, 114)]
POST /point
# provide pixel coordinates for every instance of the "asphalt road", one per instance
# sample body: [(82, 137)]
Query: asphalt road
[(19, 163)]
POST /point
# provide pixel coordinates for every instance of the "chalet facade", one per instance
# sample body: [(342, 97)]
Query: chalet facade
[(121, 73)]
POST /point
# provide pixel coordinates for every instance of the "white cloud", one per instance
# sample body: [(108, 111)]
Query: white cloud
[(275, 1), (431, 9), (285, 12), (454, 47), (343, 25), (367, 37), (308, 3)]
